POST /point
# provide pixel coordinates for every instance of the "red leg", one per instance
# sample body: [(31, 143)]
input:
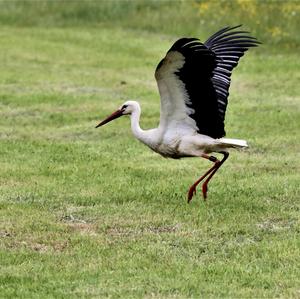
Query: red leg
[(192, 190), (204, 186)]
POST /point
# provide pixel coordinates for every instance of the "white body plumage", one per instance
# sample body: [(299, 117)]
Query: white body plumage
[(177, 139)]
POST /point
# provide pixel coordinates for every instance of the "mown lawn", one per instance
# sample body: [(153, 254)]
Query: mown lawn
[(88, 213)]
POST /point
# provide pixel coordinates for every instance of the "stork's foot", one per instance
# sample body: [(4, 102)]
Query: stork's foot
[(208, 175), (191, 193), (204, 190)]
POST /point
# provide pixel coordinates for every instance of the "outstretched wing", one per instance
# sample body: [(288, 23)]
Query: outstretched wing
[(194, 78)]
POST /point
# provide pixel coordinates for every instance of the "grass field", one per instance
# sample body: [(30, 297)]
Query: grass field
[(88, 213)]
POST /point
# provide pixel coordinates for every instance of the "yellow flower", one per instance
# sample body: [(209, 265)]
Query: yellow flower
[(248, 6), (203, 6), (275, 31)]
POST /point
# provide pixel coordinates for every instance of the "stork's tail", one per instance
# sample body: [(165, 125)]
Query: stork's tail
[(236, 143)]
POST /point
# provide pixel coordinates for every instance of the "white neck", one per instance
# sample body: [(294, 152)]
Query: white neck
[(135, 124), (148, 137)]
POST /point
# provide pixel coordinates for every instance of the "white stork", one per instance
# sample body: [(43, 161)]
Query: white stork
[(193, 81)]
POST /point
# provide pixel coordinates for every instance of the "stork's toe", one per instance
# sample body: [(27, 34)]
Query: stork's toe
[(191, 193), (204, 191)]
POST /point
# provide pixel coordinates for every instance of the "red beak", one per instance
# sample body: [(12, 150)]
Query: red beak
[(113, 116)]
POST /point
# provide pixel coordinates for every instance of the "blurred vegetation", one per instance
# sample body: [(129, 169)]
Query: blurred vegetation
[(95, 214), (273, 22)]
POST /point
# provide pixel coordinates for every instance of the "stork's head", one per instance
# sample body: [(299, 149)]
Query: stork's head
[(127, 108)]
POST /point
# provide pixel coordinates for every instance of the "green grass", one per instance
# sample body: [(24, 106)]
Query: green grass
[(94, 213)]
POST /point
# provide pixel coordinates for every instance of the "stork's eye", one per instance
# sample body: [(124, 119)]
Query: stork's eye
[(124, 107)]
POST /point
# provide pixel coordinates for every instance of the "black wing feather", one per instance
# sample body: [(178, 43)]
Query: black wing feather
[(196, 75), (229, 46), (206, 75)]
